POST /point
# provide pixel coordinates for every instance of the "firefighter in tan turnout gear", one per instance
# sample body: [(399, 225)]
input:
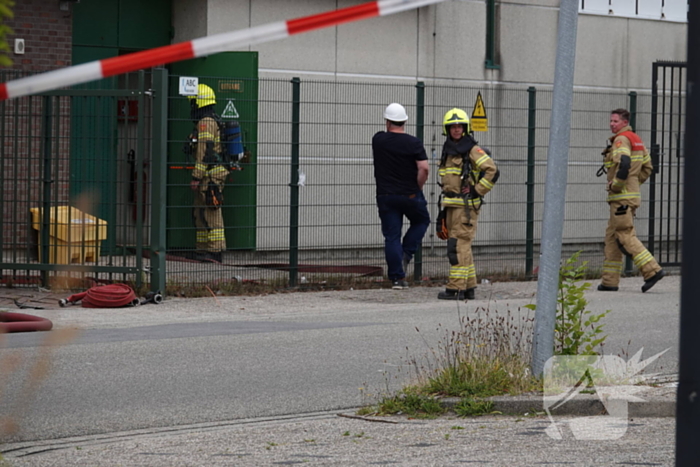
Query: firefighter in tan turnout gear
[(208, 177), (467, 173), (628, 165)]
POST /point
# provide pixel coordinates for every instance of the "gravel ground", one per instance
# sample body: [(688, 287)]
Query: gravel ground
[(327, 439)]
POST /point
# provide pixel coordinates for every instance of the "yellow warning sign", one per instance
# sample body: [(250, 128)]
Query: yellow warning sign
[(479, 120)]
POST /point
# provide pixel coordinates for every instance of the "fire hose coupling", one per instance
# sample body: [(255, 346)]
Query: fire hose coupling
[(153, 297)]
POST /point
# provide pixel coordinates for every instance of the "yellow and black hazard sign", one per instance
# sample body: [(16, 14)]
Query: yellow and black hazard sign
[(479, 120)]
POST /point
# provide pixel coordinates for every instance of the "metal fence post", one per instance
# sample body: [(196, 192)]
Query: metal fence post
[(420, 131), (138, 167), (47, 182), (530, 222), (159, 179), (294, 186), (629, 267), (654, 150)]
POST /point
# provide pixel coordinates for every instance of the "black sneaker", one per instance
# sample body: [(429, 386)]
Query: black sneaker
[(607, 288), (649, 283), (399, 284)]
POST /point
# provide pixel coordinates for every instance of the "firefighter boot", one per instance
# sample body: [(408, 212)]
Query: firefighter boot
[(649, 283), (215, 256), (471, 293), (452, 294)]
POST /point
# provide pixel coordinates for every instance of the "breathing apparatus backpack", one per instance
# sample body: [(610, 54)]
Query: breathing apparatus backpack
[(231, 143)]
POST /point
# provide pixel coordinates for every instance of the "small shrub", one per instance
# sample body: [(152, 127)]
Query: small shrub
[(577, 330)]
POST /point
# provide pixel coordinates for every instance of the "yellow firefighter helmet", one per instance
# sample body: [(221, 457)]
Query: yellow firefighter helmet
[(205, 96), (453, 117)]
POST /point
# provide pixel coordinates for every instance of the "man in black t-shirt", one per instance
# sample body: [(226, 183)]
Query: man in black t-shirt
[(400, 170)]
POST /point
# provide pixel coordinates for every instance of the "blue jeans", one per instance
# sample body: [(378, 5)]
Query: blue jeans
[(392, 209)]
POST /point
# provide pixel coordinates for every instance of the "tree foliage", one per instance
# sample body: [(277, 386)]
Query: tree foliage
[(5, 14)]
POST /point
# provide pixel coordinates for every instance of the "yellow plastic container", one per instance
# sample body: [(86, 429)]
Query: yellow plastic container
[(74, 236)]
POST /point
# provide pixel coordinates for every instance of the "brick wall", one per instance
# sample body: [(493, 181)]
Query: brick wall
[(47, 32)]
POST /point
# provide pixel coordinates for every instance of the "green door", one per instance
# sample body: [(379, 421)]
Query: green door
[(234, 78), (104, 29)]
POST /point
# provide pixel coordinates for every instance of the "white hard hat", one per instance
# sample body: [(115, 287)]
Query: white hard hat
[(395, 113)]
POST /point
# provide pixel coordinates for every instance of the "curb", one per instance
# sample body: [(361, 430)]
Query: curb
[(583, 405)]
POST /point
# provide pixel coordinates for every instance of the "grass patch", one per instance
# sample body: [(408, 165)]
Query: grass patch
[(410, 402), (488, 355)]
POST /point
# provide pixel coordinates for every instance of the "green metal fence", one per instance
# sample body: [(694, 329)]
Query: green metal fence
[(75, 206), (301, 212)]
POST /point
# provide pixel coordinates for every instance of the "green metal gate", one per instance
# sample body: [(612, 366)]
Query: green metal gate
[(666, 183), (75, 208)]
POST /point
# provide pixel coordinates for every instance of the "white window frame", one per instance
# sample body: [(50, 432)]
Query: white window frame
[(660, 10)]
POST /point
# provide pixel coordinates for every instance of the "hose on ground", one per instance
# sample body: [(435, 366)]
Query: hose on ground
[(104, 296), (19, 322)]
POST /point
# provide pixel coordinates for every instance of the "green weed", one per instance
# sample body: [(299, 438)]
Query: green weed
[(577, 331)]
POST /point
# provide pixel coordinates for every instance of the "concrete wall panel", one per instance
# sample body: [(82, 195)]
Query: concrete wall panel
[(601, 52), (382, 46), (528, 43), (313, 51), (460, 39), (651, 41)]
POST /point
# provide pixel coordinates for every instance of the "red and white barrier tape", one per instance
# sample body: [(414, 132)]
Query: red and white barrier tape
[(201, 47)]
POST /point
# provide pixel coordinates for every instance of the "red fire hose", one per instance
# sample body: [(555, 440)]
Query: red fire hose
[(104, 296), (19, 322)]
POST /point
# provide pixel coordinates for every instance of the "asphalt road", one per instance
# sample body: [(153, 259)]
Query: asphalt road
[(218, 359)]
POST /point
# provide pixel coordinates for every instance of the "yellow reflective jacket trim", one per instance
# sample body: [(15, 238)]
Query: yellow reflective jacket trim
[(216, 170), (623, 151), (619, 196), (453, 201), (486, 183), (481, 160), (205, 135), (475, 203), (608, 164), (200, 166), (618, 183), (450, 171)]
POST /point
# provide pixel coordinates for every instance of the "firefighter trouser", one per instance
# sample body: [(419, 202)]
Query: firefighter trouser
[(461, 225), (208, 221), (621, 238)]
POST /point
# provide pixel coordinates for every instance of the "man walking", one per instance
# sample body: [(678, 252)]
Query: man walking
[(400, 171), (628, 165)]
